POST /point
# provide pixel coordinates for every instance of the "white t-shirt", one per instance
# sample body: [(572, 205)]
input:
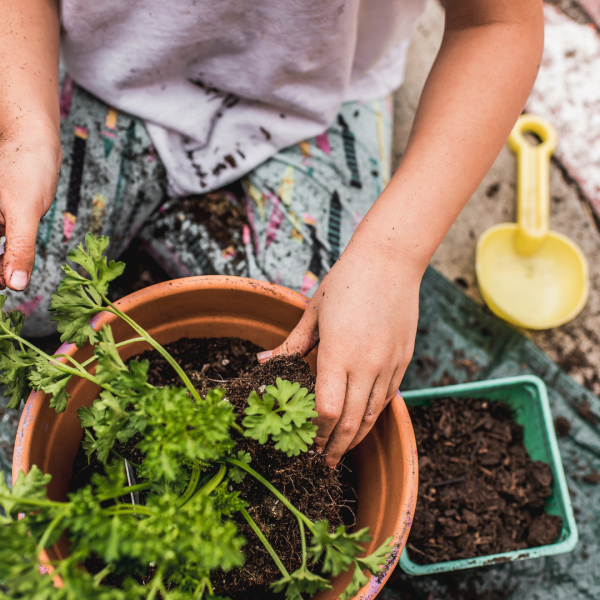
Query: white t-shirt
[(222, 85)]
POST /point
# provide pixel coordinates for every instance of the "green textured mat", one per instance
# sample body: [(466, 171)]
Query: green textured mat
[(460, 341)]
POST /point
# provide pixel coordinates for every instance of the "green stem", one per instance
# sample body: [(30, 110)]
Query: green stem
[(265, 542), (275, 492), (126, 490), (161, 588), (237, 428), (123, 458), (53, 524), (303, 538), (119, 345), (77, 365), (192, 485), (155, 585), (157, 347), (101, 575), (211, 486), (127, 509), (199, 591), (30, 502)]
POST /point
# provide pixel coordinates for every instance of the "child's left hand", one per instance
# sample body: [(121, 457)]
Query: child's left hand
[(364, 316)]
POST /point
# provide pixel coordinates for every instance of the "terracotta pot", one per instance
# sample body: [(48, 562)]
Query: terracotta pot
[(263, 313)]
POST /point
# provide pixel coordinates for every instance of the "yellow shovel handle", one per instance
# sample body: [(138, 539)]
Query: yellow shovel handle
[(533, 181)]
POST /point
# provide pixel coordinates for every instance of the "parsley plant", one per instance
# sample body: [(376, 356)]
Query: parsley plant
[(183, 530)]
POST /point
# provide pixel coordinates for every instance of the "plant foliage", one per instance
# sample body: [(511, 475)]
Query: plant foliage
[(183, 528)]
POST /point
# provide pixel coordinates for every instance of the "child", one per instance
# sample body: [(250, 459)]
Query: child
[(289, 97)]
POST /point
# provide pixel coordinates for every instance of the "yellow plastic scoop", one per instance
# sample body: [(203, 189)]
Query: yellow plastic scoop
[(527, 274)]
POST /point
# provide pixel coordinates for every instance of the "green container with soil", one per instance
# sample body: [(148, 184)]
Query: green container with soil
[(492, 487)]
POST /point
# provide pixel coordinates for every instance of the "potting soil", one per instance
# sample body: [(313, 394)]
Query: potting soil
[(479, 491)]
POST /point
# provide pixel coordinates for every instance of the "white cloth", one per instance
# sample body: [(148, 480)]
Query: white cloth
[(223, 84)]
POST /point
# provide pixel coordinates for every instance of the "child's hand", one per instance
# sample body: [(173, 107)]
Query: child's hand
[(29, 166), (30, 152), (364, 316)]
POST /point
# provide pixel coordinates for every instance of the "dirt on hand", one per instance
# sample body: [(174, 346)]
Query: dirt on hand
[(479, 492)]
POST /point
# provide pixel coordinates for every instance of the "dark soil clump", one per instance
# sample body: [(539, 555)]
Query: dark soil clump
[(592, 478), (479, 491), (315, 489), (563, 426)]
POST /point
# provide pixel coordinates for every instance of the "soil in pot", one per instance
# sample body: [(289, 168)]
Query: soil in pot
[(315, 489), (479, 491)]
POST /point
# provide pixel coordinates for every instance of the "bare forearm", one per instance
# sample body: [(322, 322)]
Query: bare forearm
[(473, 96), (29, 56)]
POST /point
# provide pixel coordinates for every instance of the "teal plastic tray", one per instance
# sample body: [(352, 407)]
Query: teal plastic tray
[(528, 398)]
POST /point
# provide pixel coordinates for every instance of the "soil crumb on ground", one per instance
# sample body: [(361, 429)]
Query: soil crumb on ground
[(479, 491), (315, 489), (563, 426)]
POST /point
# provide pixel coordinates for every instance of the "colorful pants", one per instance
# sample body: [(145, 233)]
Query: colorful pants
[(286, 222)]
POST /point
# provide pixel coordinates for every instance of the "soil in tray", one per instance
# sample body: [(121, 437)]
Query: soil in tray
[(314, 488), (479, 491)]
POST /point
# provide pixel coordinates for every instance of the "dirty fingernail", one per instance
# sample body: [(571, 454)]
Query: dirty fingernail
[(320, 450), (19, 280), (264, 356)]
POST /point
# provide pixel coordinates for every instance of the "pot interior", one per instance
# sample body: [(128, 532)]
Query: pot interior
[(385, 462)]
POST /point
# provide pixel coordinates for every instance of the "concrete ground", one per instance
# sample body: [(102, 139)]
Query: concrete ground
[(576, 345)]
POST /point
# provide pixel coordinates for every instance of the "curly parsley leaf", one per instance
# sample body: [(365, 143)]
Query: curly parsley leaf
[(109, 419), (110, 363), (235, 473), (340, 550), (179, 431), (73, 309), (339, 547), (227, 502), (299, 582), (21, 577), (288, 423), (51, 380), (374, 561), (78, 298), (29, 486), (15, 368), (358, 580), (15, 360), (92, 259), (262, 420), (184, 541)]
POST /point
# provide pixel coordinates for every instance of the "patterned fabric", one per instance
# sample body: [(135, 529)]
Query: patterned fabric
[(287, 221), (298, 209), (223, 86)]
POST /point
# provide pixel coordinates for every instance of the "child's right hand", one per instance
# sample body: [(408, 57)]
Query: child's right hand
[(30, 160), (30, 152)]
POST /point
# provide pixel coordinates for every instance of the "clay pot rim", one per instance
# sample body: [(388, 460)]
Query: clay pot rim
[(221, 282)]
